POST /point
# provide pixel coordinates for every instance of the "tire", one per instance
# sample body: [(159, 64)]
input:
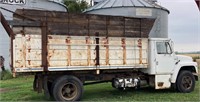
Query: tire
[(185, 82), (67, 88)]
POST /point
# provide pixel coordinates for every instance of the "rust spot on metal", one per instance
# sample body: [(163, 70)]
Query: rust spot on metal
[(97, 49), (50, 54), (140, 50), (68, 51), (140, 43), (22, 32), (28, 38), (160, 84), (88, 50), (67, 40), (106, 42), (87, 39), (29, 62), (24, 53), (123, 40), (50, 37), (29, 49)]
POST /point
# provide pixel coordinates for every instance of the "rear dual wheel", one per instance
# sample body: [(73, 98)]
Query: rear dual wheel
[(67, 88)]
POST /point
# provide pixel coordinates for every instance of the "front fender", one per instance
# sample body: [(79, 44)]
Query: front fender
[(181, 65)]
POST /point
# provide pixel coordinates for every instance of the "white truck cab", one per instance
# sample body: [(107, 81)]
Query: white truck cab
[(170, 69)]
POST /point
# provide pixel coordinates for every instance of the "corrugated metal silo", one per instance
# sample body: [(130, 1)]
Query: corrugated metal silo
[(135, 8), (53, 5)]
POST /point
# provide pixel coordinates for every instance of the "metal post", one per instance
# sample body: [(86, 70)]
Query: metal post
[(44, 46)]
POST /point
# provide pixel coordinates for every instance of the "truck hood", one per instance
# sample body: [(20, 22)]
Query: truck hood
[(183, 58)]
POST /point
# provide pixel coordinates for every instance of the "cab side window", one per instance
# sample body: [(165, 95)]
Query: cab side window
[(163, 48)]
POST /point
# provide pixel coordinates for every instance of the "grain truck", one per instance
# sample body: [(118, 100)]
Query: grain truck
[(67, 51)]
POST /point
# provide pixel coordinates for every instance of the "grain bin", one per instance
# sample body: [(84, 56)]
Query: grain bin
[(135, 8), (53, 5)]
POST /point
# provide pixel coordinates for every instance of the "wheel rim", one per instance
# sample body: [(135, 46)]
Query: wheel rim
[(186, 82), (69, 91)]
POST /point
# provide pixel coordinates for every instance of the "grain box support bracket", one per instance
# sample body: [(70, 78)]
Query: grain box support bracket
[(44, 46)]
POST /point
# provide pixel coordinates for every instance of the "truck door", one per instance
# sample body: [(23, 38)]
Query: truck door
[(164, 58)]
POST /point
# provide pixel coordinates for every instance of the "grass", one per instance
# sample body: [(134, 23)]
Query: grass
[(4, 75), (192, 55), (20, 89)]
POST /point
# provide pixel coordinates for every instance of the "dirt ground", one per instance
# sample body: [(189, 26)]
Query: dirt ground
[(2, 90)]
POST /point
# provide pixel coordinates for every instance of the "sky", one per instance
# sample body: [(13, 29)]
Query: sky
[(184, 24)]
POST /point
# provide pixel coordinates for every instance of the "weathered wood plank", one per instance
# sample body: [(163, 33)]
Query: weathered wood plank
[(86, 24)]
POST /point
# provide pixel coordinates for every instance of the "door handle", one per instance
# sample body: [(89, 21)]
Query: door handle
[(156, 62)]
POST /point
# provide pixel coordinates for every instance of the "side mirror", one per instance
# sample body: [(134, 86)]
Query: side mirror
[(172, 46)]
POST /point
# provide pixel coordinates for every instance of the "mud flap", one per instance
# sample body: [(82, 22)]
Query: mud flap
[(38, 83), (35, 83), (46, 89)]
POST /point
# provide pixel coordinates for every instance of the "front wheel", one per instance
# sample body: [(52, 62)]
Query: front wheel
[(185, 82), (67, 88)]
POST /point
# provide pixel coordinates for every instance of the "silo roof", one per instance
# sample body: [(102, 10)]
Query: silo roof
[(104, 4)]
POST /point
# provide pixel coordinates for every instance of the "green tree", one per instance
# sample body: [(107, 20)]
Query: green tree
[(76, 6)]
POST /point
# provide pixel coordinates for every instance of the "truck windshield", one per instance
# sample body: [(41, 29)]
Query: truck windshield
[(163, 48)]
